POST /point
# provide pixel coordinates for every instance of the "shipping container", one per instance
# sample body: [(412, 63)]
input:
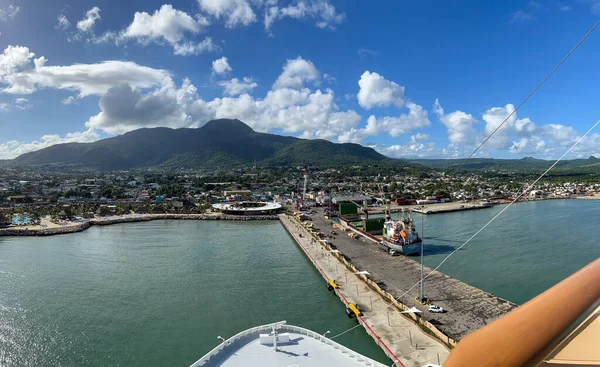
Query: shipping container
[(348, 209)]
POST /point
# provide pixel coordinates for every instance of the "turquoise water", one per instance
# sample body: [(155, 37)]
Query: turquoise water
[(156, 293), (528, 249)]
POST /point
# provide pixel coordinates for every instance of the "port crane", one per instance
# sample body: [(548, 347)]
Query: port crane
[(301, 204)]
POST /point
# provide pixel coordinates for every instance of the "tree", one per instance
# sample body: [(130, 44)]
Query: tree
[(4, 220)]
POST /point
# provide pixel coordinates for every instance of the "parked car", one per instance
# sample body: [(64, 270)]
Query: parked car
[(436, 309)]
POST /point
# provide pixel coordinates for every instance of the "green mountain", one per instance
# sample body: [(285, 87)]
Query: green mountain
[(527, 164), (219, 143)]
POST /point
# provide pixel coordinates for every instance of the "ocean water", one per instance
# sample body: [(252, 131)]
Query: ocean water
[(158, 293), (528, 249)]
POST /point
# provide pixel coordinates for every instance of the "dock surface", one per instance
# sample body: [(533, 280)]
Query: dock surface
[(398, 336), (469, 308)]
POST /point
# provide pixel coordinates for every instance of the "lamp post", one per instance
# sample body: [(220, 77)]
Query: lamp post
[(422, 241)]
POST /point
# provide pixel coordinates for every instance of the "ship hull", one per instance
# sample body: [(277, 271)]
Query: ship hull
[(412, 249)]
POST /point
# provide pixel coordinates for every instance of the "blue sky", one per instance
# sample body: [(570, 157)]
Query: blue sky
[(410, 78)]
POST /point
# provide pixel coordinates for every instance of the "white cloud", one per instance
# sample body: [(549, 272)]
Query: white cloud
[(296, 72), (415, 149), (166, 25), (22, 103), (17, 71), (13, 148), (9, 12), (235, 86), (376, 91), (191, 48), (394, 126), (513, 126), (234, 12), (68, 100), (532, 145), (221, 66), (89, 20), (17, 103), (62, 23), (459, 125), (14, 58), (296, 111), (323, 13)]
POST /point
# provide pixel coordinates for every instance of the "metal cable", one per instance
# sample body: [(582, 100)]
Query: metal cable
[(484, 227), (528, 96)]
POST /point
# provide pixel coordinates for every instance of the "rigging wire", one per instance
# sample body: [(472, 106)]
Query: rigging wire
[(479, 147), (528, 96), (486, 225)]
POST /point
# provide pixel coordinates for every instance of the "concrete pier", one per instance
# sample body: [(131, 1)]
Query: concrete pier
[(398, 336), (469, 308), (449, 207)]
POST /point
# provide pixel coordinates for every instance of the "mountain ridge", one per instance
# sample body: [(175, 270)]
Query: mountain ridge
[(223, 142)]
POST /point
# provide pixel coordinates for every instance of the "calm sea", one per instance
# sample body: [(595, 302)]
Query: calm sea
[(159, 293)]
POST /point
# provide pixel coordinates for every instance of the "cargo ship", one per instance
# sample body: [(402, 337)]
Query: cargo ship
[(400, 236), (396, 237)]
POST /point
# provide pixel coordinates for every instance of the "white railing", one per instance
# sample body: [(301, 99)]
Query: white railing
[(289, 328)]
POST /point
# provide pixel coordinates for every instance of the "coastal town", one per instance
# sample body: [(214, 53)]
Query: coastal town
[(51, 199)]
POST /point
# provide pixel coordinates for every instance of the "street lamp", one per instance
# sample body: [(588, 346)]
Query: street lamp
[(327, 332), (221, 338), (421, 298)]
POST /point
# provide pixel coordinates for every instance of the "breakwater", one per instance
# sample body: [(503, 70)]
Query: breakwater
[(82, 225)]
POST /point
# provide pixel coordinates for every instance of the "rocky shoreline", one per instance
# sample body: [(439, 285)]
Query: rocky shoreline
[(103, 221)]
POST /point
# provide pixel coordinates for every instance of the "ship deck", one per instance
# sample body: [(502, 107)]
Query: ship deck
[(305, 348)]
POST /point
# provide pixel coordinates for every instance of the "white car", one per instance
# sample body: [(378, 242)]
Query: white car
[(436, 309)]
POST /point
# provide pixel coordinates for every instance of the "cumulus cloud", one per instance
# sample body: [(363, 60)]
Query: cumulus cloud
[(221, 66), (14, 148), (302, 111), (14, 58), (234, 12), (192, 48), (89, 20), (323, 13), (459, 124), (376, 91), (166, 25), (235, 86), (24, 75), (416, 148), (495, 116), (394, 126), (9, 12), (296, 72)]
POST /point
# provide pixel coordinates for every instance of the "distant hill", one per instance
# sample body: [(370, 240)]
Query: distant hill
[(219, 143), (592, 164)]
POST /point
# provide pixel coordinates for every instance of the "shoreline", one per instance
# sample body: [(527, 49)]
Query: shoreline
[(80, 226)]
